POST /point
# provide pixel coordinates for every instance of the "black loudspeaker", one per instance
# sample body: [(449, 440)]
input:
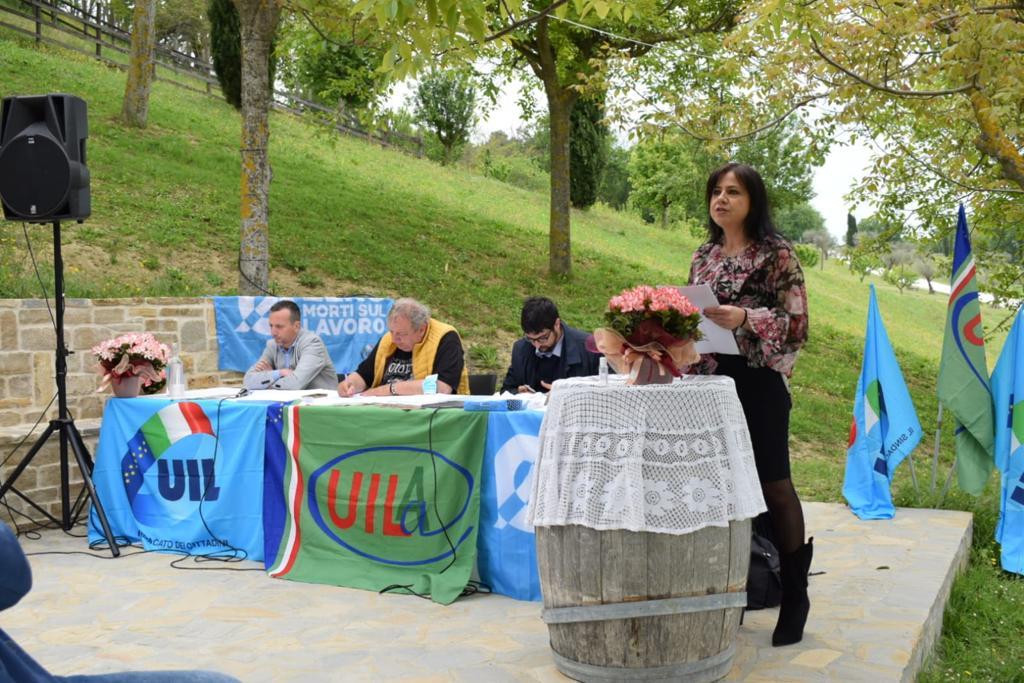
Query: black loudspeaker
[(43, 176)]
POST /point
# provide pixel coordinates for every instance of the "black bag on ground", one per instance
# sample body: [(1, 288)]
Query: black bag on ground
[(764, 580)]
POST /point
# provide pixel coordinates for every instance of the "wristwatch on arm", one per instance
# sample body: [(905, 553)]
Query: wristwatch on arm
[(391, 387)]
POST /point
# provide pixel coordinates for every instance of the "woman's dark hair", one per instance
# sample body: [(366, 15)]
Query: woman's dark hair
[(758, 223)]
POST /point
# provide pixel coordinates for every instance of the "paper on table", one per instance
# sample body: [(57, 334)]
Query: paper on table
[(286, 395), (259, 395), (405, 400), (197, 394), (716, 339)]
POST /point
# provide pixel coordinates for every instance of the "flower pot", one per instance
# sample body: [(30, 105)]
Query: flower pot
[(126, 387)]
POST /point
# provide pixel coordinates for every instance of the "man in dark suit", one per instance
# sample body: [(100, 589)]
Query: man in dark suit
[(549, 350)]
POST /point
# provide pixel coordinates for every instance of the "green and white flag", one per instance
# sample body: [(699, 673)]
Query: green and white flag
[(963, 374), (375, 498)]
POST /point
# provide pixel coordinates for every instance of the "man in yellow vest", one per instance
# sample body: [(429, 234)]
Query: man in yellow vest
[(418, 355)]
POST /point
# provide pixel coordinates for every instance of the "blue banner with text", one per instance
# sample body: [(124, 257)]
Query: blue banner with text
[(349, 327)]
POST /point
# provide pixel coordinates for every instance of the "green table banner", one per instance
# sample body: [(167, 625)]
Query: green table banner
[(379, 498)]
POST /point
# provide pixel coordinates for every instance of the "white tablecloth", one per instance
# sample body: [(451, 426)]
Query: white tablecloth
[(669, 458)]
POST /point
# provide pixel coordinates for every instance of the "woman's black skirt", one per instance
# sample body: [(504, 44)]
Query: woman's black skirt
[(766, 404)]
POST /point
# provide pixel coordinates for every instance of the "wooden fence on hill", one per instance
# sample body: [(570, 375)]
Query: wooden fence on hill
[(72, 28)]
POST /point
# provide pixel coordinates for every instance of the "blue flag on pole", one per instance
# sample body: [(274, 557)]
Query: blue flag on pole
[(506, 548), (885, 428), (1008, 395)]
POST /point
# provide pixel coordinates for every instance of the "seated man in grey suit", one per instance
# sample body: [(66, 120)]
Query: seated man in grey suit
[(295, 358)]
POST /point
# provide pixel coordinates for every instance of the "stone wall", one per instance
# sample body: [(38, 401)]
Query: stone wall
[(40, 481), (27, 381)]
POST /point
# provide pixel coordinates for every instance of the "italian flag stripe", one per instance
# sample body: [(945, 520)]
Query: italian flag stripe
[(291, 548), (966, 275), (870, 416), (197, 421), (173, 423)]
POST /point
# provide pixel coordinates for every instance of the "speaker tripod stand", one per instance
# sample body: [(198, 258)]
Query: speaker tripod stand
[(64, 428)]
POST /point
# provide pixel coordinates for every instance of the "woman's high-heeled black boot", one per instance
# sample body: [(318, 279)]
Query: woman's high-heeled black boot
[(795, 603)]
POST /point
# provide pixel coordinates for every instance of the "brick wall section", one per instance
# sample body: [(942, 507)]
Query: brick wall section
[(27, 383)]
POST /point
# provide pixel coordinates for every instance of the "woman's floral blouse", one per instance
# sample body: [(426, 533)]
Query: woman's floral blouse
[(766, 280)]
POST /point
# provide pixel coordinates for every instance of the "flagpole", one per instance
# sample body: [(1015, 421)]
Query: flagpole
[(949, 480), (935, 455), (913, 475)]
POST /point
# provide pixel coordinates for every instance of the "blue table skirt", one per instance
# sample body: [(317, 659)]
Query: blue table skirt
[(187, 477)]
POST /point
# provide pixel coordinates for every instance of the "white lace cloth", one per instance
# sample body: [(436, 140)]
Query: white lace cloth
[(670, 458)]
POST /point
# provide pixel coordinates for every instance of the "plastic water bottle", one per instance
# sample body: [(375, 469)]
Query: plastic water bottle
[(602, 369), (175, 375)]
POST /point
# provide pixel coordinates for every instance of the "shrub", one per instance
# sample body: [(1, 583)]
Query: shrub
[(484, 357), (310, 280), (901, 277), (588, 152), (808, 254)]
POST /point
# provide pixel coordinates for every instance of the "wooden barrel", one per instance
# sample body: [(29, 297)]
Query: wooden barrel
[(629, 606)]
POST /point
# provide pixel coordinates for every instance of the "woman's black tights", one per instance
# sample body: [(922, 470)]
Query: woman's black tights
[(786, 513)]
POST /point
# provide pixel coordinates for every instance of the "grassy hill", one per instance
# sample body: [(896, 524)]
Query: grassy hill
[(348, 217)]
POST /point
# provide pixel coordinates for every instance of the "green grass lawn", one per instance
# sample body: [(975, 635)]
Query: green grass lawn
[(348, 217)]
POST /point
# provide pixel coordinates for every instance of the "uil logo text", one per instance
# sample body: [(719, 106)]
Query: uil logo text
[(362, 497)]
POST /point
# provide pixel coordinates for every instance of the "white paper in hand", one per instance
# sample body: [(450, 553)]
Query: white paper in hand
[(716, 339)]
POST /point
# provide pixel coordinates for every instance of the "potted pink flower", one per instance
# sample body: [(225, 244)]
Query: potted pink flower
[(132, 363), (650, 333)]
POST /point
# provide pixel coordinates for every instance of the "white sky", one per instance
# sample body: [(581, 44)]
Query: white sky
[(843, 167)]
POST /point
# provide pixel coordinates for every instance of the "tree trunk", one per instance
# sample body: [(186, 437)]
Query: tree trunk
[(664, 215), (560, 104), (543, 61), (258, 19), (135, 107)]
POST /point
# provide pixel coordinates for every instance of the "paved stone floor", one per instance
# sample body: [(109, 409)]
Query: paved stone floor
[(876, 611)]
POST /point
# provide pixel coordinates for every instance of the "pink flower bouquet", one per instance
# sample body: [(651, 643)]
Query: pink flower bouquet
[(134, 354), (650, 333)]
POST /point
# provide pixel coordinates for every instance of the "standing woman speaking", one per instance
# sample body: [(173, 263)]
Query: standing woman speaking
[(756, 276)]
